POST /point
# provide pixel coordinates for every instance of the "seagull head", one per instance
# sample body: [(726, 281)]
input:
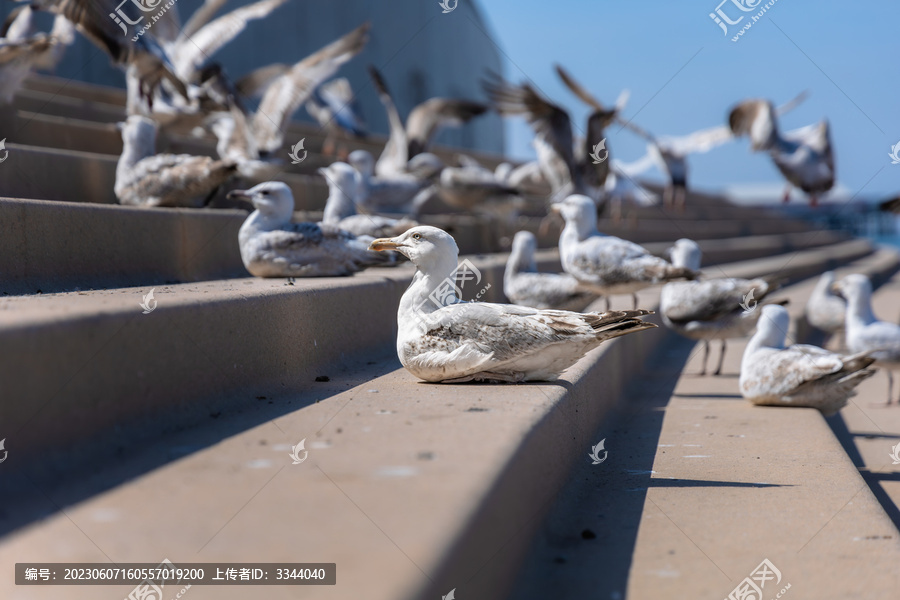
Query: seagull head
[(578, 210), (342, 176), (773, 325), (853, 288), (362, 161), (686, 253), (755, 118), (272, 199), (521, 255), (431, 249)]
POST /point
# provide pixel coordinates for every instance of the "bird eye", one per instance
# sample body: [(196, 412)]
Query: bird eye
[(417, 236), (265, 192)]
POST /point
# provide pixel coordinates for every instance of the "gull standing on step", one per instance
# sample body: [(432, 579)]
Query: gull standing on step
[(442, 339), (523, 285), (800, 375), (274, 246), (825, 310), (606, 264), (804, 156), (711, 309), (144, 178), (340, 209), (863, 330)]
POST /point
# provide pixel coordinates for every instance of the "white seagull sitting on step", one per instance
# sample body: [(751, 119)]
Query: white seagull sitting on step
[(825, 310), (144, 178), (864, 332), (800, 375), (711, 309), (442, 339), (606, 264), (523, 285), (340, 208), (274, 246)]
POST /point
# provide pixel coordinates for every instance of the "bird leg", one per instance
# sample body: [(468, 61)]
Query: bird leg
[(668, 197), (787, 195), (721, 358), (680, 200), (607, 303), (814, 200), (705, 357), (634, 301), (890, 386)]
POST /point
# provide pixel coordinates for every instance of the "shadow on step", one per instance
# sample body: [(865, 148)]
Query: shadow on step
[(586, 544), (30, 493), (873, 479)]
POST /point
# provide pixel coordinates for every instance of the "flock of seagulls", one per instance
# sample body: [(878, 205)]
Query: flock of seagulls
[(173, 81)]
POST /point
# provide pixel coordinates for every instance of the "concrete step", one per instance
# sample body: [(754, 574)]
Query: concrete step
[(701, 486), (44, 246), (42, 173), (412, 489)]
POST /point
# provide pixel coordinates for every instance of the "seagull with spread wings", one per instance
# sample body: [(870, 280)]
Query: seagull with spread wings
[(803, 156), (148, 59), (408, 140)]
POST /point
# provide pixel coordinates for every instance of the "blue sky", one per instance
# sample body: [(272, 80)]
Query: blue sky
[(684, 74)]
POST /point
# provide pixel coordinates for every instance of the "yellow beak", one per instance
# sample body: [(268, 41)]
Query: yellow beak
[(382, 244)]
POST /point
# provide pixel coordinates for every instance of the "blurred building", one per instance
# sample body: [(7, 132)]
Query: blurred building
[(422, 52)]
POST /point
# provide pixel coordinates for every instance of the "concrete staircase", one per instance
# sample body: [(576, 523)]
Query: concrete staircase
[(134, 437)]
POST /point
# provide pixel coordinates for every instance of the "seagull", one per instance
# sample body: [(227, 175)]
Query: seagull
[(256, 137), (148, 59), (800, 375), (144, 178), (21, 50), (825, 310), (442, 339), (523, 285), (471, 186), (340, 210), (565, 171), (410, 139), (337, 111), (864, 332), (274, 246), (606, 264), (804, 156), (712, 309), (395, 192)]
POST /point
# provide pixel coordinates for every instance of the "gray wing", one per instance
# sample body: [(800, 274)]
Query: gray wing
[(395, 155), (201, 17), (291, 90), (426, 118), (193, 51)]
